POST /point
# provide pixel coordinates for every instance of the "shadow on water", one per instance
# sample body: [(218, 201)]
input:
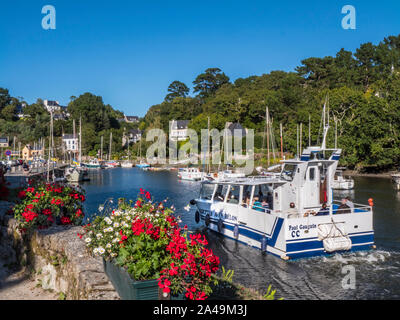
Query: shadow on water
[(377, 272)]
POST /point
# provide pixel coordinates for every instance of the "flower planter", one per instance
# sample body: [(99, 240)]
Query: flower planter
[(130, 289)]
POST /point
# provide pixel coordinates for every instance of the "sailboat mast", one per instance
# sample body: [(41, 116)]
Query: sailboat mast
[(267, 119), (80, 139), (101, 148), (208, 144), (281, 131), (109, 156)]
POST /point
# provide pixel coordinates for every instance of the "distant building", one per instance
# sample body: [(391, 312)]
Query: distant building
[(236, 129), (70, 143), (59, 112), (131, 119), (52, 106), (30, 153), (3, 142), (133, 136), (178, 130), (20, 110)]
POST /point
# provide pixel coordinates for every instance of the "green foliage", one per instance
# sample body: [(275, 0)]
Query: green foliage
[(363, 89), (270, 295)]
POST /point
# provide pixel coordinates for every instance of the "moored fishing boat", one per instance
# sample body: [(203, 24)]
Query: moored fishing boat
[(92, 164), (342, 183), (191, 174)]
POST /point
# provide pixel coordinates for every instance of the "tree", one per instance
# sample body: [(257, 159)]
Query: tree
[(5, 98), (177, 89), (208, 83)]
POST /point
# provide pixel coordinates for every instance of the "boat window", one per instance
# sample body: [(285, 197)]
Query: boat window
[(234, 194), (220, 192), (312, 174), (207, 190), (288, 172), (246, 195)]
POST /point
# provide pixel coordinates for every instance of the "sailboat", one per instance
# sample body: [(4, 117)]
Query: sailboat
[(127, 164), (142, 164)]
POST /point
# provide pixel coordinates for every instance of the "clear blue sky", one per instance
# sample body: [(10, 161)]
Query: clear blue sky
[(130, 51)]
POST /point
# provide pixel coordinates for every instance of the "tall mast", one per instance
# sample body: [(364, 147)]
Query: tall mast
[(301, 138), (74, 136), (281, 130), (267, 119), (208, 144), (309, 130), (80, 139), (109, 155), (101, 148)]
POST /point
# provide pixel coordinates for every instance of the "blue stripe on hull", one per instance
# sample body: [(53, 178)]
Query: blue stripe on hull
[(301, 249)]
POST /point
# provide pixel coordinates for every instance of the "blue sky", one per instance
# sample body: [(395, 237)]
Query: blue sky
[(130, 51)]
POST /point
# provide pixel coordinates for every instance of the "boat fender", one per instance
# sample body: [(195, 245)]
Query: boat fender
[(207, 219), (236, 231), (192, 202), (263, 243), (197, 217), (220, 225)]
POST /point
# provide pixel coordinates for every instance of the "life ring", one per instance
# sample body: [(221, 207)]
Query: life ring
[(207, 219), (220, 225), (197, 217)]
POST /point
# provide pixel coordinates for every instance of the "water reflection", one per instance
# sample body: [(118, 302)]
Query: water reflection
[(377, 272)]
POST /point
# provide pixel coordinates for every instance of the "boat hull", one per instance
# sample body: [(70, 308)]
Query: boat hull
[(289, 238)]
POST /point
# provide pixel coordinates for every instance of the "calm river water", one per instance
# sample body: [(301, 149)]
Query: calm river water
[(377, 272)]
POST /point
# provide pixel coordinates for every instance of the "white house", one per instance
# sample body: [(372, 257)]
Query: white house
[(70, 143), (52, 106), (178, 130)]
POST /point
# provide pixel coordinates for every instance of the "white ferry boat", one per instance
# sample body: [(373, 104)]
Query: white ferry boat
[(283, 215)]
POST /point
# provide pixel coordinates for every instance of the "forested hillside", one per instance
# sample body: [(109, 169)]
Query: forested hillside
[(363, 89)]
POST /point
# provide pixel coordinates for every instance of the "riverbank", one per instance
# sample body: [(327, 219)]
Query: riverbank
[(385, 175)]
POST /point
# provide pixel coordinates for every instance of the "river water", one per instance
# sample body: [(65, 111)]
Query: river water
[(377, 272)]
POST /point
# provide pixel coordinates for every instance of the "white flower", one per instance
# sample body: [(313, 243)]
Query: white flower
[(116, 224), (108, 220), (95, 250), (115, 240), (113, 254), (99, 236), (88, 240), (101, 250), (108, 246), (109, 229), (187, 208)]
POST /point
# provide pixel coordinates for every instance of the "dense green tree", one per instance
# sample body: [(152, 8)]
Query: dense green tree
[(177, 89), (209, 82)]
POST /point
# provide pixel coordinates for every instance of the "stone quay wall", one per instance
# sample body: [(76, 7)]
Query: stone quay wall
[(57, 259)]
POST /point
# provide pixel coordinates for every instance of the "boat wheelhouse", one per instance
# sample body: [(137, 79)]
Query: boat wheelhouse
[(290, 215)]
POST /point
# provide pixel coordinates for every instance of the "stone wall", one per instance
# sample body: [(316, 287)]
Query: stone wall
[(58, 259)]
